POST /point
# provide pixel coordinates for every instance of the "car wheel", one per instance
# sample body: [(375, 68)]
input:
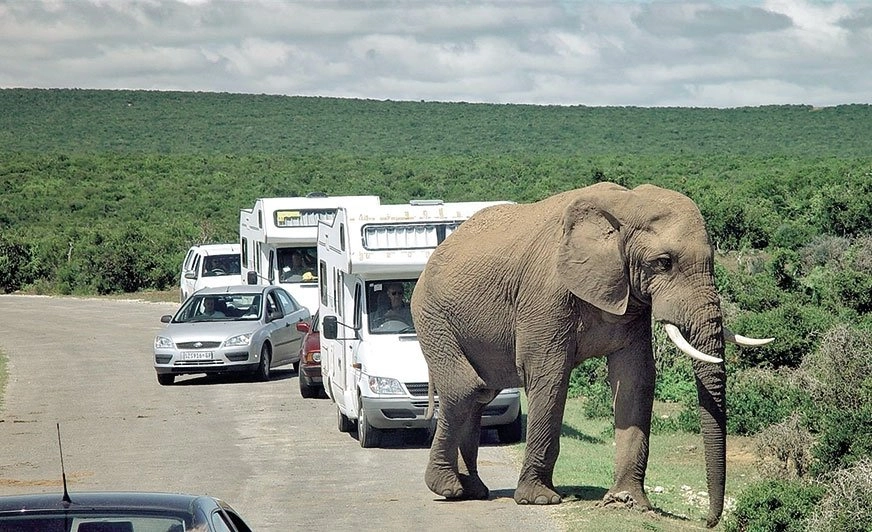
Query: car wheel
[(263, 371), (307, 390), (345, 424), (367, 435), (166, 379), (511, 433)]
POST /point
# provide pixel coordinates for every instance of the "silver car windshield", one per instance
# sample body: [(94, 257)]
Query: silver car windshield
[(220, 307)]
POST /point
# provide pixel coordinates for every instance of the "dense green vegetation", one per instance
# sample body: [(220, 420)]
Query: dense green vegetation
[(103, 191)]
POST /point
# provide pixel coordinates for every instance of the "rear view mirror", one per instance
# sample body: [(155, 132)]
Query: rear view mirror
[(251, 277), (302, 326)]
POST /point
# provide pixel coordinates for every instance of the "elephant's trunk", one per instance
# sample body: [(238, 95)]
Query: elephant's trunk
[(711, 390)]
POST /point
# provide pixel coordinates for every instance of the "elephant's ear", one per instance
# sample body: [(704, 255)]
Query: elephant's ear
[(590, 261)]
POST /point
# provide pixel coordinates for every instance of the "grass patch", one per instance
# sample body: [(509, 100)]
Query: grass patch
[(675, 479)]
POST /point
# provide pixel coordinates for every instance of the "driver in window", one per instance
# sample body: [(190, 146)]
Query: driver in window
[(398, 308)]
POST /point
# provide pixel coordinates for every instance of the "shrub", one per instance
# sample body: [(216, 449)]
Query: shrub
[(848, 502), (757, 398), (783, 449), (838, 377), (781, 505), (14, 261)]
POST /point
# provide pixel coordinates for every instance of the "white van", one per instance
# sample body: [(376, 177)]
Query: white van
[(209, 265), (369, 261), (278, 238)]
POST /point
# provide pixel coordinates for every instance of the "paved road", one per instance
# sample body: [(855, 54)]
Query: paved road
[(276, 457)]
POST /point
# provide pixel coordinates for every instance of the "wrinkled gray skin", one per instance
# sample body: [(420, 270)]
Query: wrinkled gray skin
[(521, 294)]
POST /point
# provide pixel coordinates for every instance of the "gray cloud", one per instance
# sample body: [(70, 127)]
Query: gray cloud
[(676, 53)]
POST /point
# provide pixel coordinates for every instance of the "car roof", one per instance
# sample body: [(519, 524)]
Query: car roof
[(117, 500), (218, 249), (234, 289)]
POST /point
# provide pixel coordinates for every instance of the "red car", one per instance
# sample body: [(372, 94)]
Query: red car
[(309, 369)]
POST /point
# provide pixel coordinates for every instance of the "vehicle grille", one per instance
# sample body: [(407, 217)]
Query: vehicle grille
[(417, 388), (201, 345), (199, 363)]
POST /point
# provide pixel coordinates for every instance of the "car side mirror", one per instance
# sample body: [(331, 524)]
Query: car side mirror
[(251, 277), (303, 326), (330, 327), (276, 315), (190, 274), (166, 318)]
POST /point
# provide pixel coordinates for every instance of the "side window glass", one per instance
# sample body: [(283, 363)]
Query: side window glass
[(322, 274), (219, 522), (196, 265), (288, 304), (272, 266), (271, 303), (358, 307)]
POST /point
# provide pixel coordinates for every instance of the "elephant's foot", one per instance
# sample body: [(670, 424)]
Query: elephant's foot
[(473, 487), (450, 485), (626, 498), (443, 481), (531, 492)]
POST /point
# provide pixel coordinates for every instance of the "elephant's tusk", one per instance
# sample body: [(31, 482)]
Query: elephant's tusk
[(679, 341), (738, 339)]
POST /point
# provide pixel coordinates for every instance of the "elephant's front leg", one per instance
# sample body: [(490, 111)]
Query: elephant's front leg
[(631, 375), (546, 394)]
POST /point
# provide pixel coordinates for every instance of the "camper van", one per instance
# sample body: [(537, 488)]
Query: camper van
[(369, 260), (278, 239)]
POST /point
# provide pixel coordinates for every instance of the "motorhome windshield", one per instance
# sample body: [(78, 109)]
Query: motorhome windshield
[(298, 265), (388, 306)]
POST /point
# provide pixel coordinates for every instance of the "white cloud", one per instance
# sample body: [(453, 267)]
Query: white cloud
[(646, 53)]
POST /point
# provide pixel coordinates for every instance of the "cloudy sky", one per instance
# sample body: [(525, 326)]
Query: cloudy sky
[(570, 52)]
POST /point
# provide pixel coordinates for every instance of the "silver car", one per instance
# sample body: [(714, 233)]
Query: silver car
[(247, 328)]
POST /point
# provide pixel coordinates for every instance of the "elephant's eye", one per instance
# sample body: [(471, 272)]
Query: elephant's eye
[(663, 264)]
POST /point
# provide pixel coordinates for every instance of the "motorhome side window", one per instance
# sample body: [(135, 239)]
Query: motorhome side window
[(322, 274), (388, 306), (358, 307)]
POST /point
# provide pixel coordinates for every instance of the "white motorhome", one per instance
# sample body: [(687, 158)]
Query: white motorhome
[(369, 261), (278, 239)]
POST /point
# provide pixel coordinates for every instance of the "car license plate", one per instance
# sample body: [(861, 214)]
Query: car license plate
[(197, 355)]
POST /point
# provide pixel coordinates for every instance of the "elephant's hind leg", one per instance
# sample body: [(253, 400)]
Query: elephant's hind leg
[(473, 486), (458, 431)]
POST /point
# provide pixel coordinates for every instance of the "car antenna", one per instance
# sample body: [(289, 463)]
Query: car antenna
[(66, 499)]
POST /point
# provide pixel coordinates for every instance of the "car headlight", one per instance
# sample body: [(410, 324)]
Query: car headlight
[(238, 340), (162, 342), (386, 386)]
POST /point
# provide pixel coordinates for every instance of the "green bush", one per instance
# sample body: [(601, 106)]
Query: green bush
[(771, 505), (796, 327), (14, 263), (757, 398)]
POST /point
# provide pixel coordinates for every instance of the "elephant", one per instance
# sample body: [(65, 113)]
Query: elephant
[(520, 294)]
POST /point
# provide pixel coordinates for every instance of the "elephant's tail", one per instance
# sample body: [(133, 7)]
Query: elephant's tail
[(431, 403)]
